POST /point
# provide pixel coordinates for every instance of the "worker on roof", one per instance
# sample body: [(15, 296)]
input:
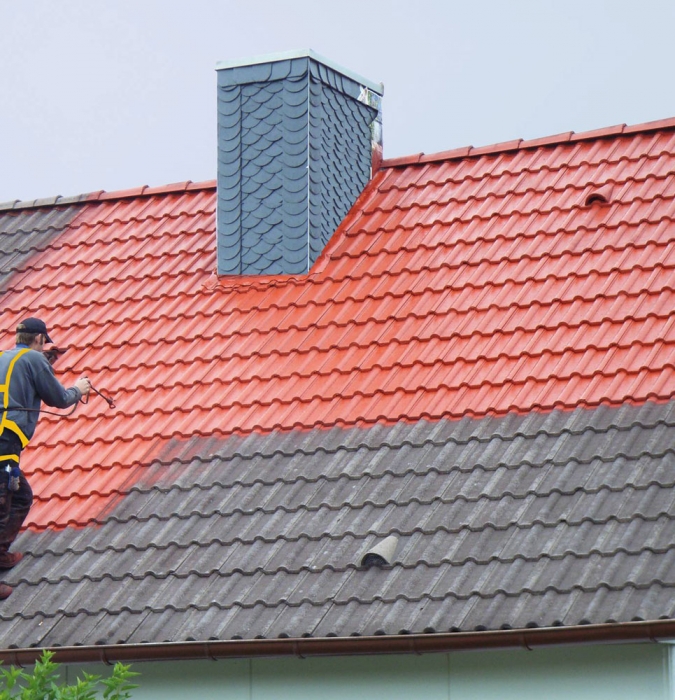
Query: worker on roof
[(26, 379)]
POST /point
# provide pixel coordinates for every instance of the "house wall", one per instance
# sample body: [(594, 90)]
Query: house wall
[(635, 672)]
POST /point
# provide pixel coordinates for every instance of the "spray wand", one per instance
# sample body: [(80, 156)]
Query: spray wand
[(111, 403), (53, 354)]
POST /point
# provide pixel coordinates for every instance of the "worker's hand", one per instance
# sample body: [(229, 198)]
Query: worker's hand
[(84, 385)]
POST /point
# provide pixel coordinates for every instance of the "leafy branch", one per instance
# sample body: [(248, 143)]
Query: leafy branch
[(45, 683)]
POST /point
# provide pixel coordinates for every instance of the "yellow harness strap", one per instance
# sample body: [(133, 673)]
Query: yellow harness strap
[(4, 391)]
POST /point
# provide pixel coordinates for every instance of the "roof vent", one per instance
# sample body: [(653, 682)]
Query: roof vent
[(381, 554), (598, 195)]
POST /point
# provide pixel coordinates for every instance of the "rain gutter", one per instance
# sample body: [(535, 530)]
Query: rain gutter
[(618, 633)]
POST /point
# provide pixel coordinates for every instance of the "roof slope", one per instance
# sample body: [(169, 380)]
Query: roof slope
[(480, 362)]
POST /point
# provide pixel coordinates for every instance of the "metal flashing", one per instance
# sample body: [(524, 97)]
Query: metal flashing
[(303, 53)]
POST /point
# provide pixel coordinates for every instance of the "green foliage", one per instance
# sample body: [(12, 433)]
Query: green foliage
[(44, 683)]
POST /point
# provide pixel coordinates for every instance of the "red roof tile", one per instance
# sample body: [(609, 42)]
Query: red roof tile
[(468, 283)]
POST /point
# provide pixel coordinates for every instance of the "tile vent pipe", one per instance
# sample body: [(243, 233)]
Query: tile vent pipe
[(382, 554), (599, 195)]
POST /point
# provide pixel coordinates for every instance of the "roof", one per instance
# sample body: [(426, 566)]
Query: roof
[(480, 363)]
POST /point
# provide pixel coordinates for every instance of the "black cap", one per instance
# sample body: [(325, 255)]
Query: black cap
[(34, 325)]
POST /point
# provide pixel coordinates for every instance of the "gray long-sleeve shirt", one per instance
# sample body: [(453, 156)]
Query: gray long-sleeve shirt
[(32, 381)]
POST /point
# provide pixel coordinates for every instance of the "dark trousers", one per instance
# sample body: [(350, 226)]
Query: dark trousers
[(14, 505)]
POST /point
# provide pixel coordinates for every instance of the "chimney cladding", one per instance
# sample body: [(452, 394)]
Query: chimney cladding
[(297, 138)]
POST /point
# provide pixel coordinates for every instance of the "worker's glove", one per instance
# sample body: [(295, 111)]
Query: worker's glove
[(84, 385)]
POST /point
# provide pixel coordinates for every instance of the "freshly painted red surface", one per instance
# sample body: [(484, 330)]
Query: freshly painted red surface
[(463, 285)]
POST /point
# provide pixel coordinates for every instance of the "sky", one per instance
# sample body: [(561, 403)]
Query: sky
[(114, 95)]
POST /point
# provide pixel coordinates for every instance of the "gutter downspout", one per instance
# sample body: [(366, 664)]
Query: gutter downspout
[(615, 633)]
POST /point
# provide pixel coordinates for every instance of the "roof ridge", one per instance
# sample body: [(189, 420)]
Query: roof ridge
[(414, 159), (523, 144), (102, 195)]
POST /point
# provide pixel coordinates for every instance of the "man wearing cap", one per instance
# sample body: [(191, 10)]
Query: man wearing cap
[(26, 380)]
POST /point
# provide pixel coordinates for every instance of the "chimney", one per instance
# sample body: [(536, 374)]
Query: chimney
[(298, 137)]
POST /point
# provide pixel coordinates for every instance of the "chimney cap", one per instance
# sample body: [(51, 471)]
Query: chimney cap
[(303, 53)]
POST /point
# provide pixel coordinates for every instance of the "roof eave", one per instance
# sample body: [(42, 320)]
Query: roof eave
[(618, 633)]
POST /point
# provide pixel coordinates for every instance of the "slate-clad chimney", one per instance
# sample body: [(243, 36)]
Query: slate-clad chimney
[(297, 136)]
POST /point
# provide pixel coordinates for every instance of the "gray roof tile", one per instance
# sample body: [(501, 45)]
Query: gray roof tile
[(525, 520)]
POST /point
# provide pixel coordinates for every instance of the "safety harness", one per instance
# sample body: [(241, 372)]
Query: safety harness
[(6, 422)]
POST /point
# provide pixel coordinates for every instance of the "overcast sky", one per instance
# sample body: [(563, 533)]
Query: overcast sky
[(116, 94)]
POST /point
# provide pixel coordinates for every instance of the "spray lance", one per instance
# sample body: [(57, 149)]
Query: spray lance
[(108, 399), (53, 354)]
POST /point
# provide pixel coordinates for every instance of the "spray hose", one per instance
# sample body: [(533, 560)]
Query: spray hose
[(108, 400)]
